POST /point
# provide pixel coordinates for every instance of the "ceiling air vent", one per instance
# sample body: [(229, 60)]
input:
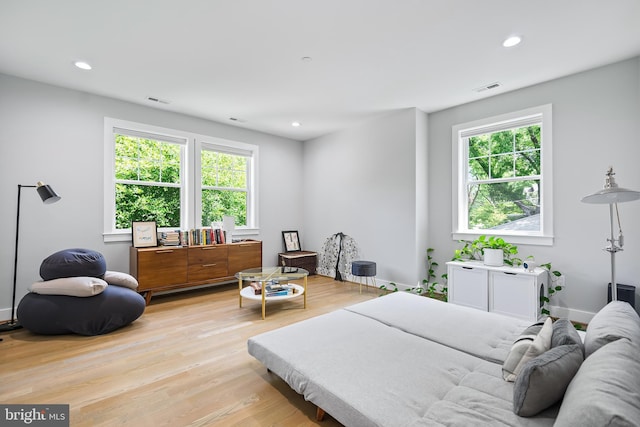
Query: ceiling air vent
[(488, 87), (161, 101)]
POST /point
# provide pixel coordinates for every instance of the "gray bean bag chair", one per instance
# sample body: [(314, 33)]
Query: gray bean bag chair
[(56, 314), (114, 308)]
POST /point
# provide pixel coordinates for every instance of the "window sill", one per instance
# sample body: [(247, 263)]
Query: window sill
[(125, 236), (511, 238)]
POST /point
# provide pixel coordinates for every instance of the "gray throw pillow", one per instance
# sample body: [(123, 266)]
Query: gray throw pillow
[(564, 333), (614, 321), (605, 390), (544, 379), (526, 347)]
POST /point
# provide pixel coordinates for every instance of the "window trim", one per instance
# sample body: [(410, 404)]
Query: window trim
[(459, 165), (230, 147), (190, 174)]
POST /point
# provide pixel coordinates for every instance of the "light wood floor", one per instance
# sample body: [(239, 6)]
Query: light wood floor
[(183, 363)]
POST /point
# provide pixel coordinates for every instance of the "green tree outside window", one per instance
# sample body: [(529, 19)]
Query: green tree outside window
[(504, 177)]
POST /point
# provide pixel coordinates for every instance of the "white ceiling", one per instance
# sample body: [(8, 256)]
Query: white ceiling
[(243, 58)]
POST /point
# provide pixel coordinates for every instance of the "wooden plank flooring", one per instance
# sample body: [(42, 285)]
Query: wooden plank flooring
[(183, 363)]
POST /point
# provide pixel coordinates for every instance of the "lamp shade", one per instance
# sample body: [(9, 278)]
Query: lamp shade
[(47, 194), (611, 193)]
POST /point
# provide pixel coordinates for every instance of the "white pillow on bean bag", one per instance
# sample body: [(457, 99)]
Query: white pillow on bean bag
[(81, 286), (121, 279)]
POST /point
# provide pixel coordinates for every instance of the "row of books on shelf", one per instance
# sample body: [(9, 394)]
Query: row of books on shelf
[(273, 288), (193, 237)]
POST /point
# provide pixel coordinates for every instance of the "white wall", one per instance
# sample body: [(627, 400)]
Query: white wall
[(56, 135), (363, 181), (379, 181), (596, 123)]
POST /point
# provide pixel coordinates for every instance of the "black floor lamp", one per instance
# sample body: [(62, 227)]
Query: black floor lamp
[(48, 196)]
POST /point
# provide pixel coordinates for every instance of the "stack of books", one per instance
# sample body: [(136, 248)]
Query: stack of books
[(169, 238), (202, 236), (278, 290), (273, 288)]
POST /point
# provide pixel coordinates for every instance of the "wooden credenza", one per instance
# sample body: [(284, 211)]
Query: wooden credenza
[(173, 267)]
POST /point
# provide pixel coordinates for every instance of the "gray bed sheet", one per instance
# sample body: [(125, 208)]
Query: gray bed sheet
[(367, 372)]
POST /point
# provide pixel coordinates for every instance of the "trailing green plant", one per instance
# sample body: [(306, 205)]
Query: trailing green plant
[(430, 285), (553, 288), (429, 288), (387, 289)]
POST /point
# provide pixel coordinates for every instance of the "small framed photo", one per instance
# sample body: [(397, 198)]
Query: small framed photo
[(144, 234), (291, 241)]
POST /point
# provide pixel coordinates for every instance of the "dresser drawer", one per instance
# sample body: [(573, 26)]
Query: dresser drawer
[(161, 267), (244, 255), (208, 262)]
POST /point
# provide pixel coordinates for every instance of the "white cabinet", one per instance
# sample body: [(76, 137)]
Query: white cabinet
[(506, 290), (471, 286)]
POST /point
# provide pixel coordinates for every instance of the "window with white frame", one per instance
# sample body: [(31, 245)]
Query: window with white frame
[(502, 172), (226, 176), (148, 178), (176, 179)]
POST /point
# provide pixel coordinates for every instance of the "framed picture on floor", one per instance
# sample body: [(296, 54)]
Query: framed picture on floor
[(144, 234), (291, 241)]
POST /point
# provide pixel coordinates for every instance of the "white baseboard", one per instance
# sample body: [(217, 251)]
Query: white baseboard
[(571, 314), (5, 314)]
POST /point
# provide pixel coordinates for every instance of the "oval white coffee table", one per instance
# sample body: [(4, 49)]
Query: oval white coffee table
[(269, 274)]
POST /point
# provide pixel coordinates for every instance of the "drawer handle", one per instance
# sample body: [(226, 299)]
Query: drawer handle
[(209, 265), (468, 268), (244, 246), (512, 274), (209, 248), (167, 251)]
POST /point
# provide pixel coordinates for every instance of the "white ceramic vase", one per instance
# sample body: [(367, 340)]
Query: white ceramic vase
[(493, 257)]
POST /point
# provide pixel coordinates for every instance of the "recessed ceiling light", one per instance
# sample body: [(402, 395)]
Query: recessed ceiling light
[(82, 65), (512, 41), (295, 124), (306, 59)]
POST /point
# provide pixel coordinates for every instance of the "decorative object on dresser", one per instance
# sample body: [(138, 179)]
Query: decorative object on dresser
[(144, 234), (611, 195), (48, 197), (512, 291), (291, 241), (228, 227), (302, 259), (166, 268)]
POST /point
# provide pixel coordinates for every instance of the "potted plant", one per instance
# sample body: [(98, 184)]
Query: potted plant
[(493, 250)]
